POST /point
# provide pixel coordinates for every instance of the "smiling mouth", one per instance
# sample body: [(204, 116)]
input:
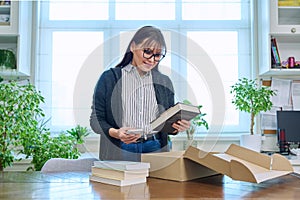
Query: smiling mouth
[(148, 65)]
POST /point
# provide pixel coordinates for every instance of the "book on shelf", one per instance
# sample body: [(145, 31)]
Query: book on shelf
[(177, 112), (119, 174), (275, 52), (118, 182), (121, 165), (273, 56)]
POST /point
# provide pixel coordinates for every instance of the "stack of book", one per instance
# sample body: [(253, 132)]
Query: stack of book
[(120, 173)]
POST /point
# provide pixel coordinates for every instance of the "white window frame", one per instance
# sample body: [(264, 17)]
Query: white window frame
[(111, 28)]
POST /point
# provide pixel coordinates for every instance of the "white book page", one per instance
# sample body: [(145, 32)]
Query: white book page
[(283, 92), (296, 95)]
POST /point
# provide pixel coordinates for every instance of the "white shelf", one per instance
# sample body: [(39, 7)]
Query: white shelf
[(282, 72), (9, 74)]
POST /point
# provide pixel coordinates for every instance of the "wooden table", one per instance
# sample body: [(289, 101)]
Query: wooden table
[(71, 185)]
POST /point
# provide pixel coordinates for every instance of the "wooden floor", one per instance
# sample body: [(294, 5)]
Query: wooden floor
[(35, 185)]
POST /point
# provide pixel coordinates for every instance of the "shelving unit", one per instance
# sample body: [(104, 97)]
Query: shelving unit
[(282, 23), (16, 37)]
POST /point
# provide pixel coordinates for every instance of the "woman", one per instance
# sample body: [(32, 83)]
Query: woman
[(130, 96)]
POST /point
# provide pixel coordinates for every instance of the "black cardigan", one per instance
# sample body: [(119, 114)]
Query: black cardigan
[(107, 109)]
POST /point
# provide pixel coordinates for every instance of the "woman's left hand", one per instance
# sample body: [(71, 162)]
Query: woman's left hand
[(181, 125)]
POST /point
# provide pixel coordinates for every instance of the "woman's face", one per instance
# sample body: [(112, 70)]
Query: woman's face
[(145, 58)]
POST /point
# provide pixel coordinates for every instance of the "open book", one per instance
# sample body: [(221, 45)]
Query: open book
[(177, 112)]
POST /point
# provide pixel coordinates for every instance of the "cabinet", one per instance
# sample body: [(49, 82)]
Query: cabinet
[(15, 35), (9, 17), (281, 21)]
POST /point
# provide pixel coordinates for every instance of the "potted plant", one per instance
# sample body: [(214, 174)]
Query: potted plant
[(19, 110), (196, 122), (249, 97), (23, 130), (42, 146)]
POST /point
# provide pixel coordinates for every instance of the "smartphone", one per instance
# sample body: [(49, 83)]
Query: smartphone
[(135, 131)]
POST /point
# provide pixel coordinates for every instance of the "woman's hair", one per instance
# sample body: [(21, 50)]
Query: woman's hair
[(149, 36)]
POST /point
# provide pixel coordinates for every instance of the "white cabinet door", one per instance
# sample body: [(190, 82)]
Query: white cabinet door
[(285, 17)]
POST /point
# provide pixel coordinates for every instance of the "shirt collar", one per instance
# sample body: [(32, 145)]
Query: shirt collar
[(131, 68)]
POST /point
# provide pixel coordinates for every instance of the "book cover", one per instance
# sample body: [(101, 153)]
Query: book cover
[(177, 112), (117, 182), (119, 174), (275, 51), (121, 165)]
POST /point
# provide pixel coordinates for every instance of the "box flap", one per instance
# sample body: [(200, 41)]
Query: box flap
[(249, 155), (251, 173), (207, 159), (242, 164), (280, 162)]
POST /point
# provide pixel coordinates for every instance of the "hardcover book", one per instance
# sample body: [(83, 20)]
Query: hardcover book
[(119, 174), (177, 112), (118, 182), (121, 165), (275, 51)]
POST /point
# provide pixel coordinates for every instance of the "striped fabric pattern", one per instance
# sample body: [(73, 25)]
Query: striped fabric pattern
[(138, 99)]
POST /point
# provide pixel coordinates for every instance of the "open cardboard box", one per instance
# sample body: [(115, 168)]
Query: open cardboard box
[(236, 162)]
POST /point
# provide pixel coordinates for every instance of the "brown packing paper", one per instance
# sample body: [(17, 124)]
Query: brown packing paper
[(236, 162)]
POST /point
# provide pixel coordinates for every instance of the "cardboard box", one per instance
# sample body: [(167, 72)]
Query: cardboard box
[(173, 166), (237, 162)]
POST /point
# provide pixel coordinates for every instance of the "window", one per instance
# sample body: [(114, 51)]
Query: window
[(209, 43), (135, 10), (211, 10), (78, 10)]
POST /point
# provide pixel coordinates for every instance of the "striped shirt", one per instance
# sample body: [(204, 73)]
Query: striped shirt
[(138, 99)]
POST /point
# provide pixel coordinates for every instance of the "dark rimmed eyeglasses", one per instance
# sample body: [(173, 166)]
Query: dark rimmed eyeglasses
[(148, 54)]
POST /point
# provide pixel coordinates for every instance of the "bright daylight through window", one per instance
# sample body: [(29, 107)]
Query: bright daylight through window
[(80, 39)]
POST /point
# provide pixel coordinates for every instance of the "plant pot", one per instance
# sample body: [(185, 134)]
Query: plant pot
[(252, 142)]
